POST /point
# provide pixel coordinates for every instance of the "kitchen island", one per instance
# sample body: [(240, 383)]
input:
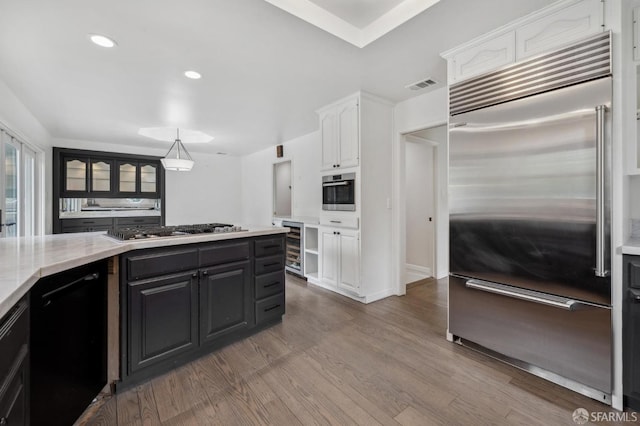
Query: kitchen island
[(167, 300)]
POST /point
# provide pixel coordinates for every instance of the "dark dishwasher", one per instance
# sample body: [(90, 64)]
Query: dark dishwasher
[(68, 343)]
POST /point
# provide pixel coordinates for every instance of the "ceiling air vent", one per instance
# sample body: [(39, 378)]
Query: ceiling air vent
[(422, 84)]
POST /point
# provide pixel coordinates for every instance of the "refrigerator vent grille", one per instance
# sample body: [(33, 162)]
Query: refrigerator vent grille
[(586, 60)]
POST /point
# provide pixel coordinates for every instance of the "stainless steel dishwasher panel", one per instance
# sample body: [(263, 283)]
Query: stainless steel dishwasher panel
[(566, 337)]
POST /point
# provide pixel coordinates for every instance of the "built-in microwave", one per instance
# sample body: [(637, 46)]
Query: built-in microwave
[(339, 192)]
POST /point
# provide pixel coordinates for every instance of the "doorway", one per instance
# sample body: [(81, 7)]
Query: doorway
[(420, 173), (423, 212), (21, 195), (282, 189)]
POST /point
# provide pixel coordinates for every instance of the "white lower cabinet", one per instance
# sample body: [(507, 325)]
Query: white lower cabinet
[(340, 259)]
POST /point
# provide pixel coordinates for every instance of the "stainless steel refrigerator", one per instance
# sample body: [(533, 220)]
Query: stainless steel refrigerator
[(529, 180)]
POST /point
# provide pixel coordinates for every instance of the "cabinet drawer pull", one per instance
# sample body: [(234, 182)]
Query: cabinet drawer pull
[(635, 295), (271, 285), (266, 265), (271, 308), (272, 246)]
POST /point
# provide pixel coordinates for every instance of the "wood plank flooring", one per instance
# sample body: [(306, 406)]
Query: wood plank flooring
[(334, 361)]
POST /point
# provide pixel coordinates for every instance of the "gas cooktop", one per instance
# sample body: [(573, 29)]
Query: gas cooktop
[(144, 232)]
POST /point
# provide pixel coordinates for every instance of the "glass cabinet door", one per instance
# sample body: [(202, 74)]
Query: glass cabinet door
[(100, 176), (148, 178), (127, 177), (75, 172)]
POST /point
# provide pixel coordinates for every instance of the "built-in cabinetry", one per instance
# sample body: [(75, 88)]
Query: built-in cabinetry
[(14, 366), (81, 174), (351, 251), (560, 24), (340, 134), (269, 279), (340, 259), (631, 331), (181, 302), (106, 223)]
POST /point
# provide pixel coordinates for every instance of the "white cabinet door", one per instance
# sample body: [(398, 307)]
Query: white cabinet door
[(329, 137), (349, 276), (560, 28), (349, 134), (483, 57), (329, 254)]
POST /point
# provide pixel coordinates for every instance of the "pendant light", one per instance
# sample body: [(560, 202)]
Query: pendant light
[(178, 157)]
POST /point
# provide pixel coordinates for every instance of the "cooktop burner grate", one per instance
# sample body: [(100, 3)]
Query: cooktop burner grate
[(144, 232)]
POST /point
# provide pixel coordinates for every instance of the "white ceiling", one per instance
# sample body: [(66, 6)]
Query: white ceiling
[(358, 13), (264, 71)]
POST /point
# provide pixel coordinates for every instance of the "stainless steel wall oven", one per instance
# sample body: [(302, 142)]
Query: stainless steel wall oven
[(339, 192)]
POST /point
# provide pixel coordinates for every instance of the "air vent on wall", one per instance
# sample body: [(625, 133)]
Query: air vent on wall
[(422, 84)]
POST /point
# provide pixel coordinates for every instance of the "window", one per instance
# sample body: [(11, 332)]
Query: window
[(21, 195)]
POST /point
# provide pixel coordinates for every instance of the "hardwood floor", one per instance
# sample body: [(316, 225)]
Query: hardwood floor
[(334, 361)]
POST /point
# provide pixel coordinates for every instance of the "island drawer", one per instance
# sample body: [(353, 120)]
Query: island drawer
[(224, 253), (161, 263), (269, 264), (269, 246), (269, 284), (270, 308), (13, 336)]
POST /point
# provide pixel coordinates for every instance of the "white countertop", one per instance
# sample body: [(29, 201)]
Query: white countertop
[(632, 246), (24, 260)]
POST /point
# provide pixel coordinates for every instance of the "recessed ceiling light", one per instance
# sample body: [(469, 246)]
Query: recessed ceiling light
[(194, 75), (101, 40)]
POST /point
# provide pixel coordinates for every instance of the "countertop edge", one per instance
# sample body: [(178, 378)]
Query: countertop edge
[(117, 248)]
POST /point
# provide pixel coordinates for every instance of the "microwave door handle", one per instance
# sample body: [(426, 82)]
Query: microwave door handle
[(336, 184)]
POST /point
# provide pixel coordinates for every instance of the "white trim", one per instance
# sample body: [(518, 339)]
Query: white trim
[(415, 273), (379, 295), (360, 37)]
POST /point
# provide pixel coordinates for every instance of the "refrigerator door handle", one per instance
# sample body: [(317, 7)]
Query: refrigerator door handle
[(528, 295), (600, 269)]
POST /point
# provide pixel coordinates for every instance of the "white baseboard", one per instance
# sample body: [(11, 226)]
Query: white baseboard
[(416, 273), (363, 299), (379, 295)]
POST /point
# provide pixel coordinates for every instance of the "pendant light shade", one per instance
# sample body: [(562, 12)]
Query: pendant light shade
[(178, 157)]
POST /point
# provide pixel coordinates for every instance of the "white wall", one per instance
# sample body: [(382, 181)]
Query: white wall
[(210, 192), (16, 118), (419, 207), (257, 180), (422, 112)]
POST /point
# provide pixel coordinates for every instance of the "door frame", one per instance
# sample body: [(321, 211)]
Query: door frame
[(39, 184), (399, 221), (273, 185), (435, 181)]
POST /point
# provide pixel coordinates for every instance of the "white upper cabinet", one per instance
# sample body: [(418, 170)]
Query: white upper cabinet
[(483, 57), (340, 133), (559, 24), (329, 139), (565, 26)]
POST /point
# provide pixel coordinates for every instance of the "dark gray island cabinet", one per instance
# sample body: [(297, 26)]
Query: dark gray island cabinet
[(181, 302)]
